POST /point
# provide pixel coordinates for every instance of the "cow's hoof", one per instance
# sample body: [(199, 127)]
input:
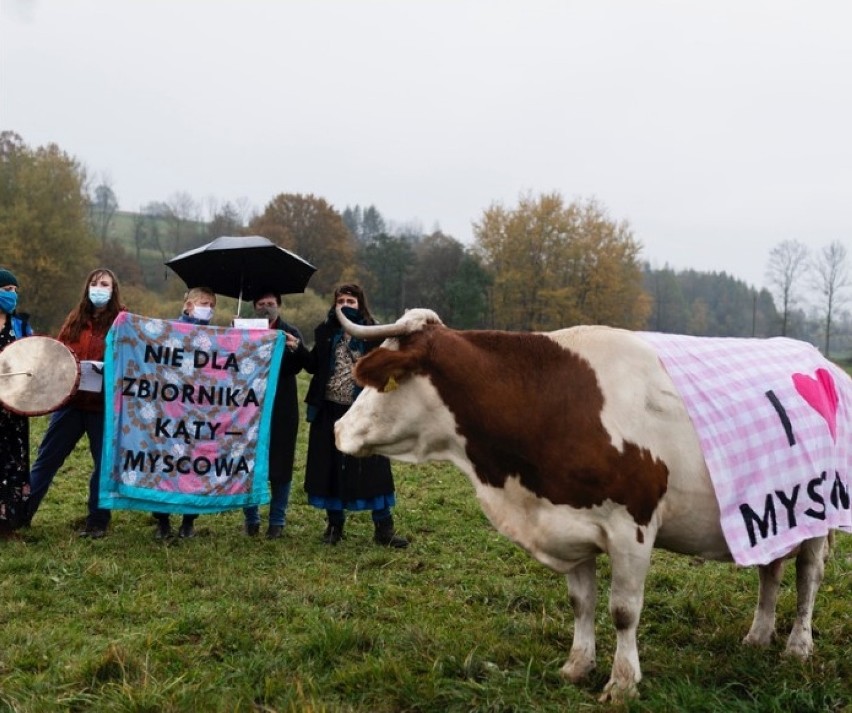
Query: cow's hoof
[(799, 647), (613, 693), (577, 668), (758, 640)]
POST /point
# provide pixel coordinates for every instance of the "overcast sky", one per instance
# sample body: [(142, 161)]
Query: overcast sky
[(716, 129)]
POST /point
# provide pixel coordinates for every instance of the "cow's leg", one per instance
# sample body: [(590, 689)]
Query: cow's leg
[(810, 568), (630, 564), (763, 625), (583, 590)]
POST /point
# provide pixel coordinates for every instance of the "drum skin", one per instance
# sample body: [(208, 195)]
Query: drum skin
[(37, 375)]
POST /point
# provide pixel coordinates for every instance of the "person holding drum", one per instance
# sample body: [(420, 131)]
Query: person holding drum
[(84, 332), (14, 429)]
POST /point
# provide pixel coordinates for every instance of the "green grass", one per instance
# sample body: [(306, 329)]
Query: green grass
[(461, 621)]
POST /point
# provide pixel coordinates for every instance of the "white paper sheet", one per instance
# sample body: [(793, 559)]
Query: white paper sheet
[(91, 376)]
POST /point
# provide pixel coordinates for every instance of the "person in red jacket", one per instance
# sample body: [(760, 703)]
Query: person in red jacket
[(84, 332)]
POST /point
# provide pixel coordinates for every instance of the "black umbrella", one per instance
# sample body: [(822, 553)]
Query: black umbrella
[(243, 267)]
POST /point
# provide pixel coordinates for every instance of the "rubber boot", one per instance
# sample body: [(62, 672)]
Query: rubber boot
[(333, 534), (386, 535)]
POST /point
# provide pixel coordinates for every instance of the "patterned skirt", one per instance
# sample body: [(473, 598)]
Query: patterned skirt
[(14, 469)]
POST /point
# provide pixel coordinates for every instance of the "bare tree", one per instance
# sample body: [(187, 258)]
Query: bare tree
[(156, 212), (184, 214), (788, 263), (831, 278), (103, 205), (140, 233)]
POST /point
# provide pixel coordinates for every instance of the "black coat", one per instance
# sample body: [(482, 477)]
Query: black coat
[(285, 410), (330, 473)]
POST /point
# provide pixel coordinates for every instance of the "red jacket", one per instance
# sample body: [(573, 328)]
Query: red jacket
[(90, 346)]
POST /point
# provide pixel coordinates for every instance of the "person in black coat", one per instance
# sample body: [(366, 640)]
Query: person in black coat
[(285, 421), (336, 482), (14, 428)]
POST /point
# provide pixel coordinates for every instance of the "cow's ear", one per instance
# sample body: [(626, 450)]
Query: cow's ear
[(383, 369)]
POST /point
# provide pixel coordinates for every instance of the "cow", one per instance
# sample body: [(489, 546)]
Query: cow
[(577, 443)]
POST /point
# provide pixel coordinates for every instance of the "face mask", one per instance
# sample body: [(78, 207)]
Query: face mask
[(99, 296), (203, 314), (270, 313), (8, 301), (351, 313)]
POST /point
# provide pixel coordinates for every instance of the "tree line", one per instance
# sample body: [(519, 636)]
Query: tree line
[(541, 264)]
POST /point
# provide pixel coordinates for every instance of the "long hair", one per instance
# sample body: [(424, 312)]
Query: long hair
[(356, 291), (84, 313)]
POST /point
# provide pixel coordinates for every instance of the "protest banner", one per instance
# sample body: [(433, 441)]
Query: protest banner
[(774, 419), (188, 411)]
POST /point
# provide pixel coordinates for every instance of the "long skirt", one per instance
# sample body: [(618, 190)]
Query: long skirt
[(336, 481), (14, 469)]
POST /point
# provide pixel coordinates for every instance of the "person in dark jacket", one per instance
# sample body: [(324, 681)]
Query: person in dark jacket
[(84, 332), (285, 421), (334, 481), (14, 428)]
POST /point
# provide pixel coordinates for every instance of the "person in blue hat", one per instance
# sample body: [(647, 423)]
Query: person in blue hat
[(14, 429)]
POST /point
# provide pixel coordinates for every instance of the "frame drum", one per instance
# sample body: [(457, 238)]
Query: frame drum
[(37, 375)]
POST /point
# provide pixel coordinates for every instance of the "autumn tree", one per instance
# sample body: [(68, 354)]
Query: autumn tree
[(44, 228), (831, 278), (554, 265), (122, 263), (311, 228), (788, 264)]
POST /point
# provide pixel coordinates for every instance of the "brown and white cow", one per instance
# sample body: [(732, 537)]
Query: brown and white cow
[(577, 444)]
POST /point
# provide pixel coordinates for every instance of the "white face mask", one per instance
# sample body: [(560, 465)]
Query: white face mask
[(202, 313), (99, 296)]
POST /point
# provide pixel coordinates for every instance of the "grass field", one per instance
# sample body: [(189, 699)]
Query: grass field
[(461, 621)]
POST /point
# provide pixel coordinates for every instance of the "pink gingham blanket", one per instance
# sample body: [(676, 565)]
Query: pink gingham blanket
[(773, 419)]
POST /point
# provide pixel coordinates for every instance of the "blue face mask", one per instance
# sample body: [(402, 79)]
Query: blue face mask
[(8, 301), (99, 296), (350, 313)]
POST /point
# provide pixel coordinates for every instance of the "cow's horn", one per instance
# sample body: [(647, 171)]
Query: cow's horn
[(370, 332)]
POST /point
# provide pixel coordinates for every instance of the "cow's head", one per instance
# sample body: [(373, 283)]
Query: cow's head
[(399, 413)]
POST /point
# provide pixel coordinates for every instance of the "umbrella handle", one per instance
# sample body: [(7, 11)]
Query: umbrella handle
[(240, 298)]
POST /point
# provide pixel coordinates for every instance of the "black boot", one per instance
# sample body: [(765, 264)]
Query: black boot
[(164, 529), (333, 534), (385, 535), (187, 527)]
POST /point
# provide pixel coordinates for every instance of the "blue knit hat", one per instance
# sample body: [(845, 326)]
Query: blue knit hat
[(7, 278)]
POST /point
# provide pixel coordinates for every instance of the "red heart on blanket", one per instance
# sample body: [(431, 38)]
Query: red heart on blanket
[(821, 396)]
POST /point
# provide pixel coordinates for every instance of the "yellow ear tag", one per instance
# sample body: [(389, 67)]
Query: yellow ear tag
[(390, 386)]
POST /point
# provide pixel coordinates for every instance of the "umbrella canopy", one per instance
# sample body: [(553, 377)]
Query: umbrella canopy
[(243, 267)]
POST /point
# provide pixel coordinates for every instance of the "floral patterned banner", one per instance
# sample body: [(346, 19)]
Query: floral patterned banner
[(188, 410)]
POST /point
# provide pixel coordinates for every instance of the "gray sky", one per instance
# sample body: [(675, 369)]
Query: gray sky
[(717, 129)]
